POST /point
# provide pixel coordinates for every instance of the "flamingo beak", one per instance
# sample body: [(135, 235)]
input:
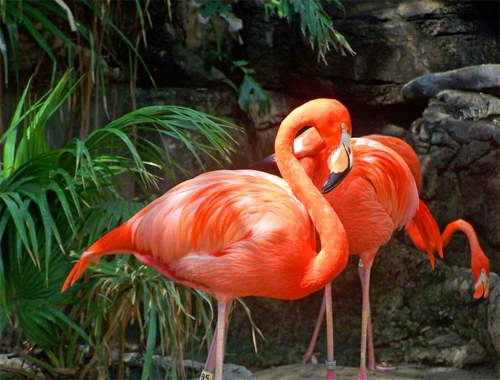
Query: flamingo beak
[(482, 287), (340, 164)]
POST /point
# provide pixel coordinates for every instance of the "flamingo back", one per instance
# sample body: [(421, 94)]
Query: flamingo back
[(406, 152), (223, 225)]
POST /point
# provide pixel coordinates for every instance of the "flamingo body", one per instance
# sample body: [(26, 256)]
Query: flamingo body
[(379, 196), (242, 233), (222, 226)]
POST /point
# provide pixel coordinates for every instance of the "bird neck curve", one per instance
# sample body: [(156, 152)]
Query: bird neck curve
[(333, 257), (479, 261)]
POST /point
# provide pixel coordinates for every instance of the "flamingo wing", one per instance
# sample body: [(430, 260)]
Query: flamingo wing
[(406, 152), (225, 225)]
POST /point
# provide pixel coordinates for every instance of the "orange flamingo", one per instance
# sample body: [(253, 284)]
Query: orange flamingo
[(422, 229), (377, 197), (244, 233)]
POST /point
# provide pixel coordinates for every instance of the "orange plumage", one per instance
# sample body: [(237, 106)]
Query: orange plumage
[(241, 233), (217, 227), (379, 196)]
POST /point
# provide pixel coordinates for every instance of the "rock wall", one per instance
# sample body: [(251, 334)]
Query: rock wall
[(395, 41), (458, 138)]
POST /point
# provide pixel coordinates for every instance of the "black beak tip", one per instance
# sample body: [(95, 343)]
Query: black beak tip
[(334, 179)]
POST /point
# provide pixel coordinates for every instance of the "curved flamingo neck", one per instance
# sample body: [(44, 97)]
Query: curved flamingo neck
[(478, 258), (333, 257)]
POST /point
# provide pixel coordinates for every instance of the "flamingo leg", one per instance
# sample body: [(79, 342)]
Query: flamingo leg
[(221, 340), (364, 323), (371, 350), (310, 349), (330, 362), (210, 363), (208, 372)]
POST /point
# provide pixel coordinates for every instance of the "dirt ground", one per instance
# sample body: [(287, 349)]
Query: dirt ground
[(404, 372)]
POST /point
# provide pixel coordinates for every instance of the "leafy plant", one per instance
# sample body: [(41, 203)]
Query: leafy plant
[(55, 200), (315, 23), (47, 22)]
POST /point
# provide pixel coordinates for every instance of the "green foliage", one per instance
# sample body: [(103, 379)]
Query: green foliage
[(80, 35), (52, 24), (251, 94), (315, 23), (55, 200)]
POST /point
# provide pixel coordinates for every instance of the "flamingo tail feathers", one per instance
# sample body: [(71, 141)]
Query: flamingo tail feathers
[(424, 232), (116, 241)]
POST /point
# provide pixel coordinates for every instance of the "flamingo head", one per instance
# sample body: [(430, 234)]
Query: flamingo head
[(340, 161), (332, 121), (480, 273)]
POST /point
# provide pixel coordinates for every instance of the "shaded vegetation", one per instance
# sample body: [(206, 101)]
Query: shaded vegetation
[(55, 201)]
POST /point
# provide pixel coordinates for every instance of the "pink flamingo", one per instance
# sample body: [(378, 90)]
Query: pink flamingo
[(377, 197), (244, 233), (423, 229)]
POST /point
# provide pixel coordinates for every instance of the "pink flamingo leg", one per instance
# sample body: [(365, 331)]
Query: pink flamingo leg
[(221, 340), (371, 352), (330, 363), (371, 349), (364, 323), (210, 363), (314, 338)]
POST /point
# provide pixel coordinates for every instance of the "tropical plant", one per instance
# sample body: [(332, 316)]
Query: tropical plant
[(60, 34), (56, 200), (89, 36), (315, 23)]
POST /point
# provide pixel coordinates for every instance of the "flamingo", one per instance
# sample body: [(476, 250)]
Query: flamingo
[(378, 196), (423, 229), (243, 232)]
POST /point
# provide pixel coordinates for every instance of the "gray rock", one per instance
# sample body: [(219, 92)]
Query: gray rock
[(419, 315), (457, 139), (16, 368), (395, 42), (494, 318), (130, 359), (473, 78), (235, 372), (405, 371), (393, 130)]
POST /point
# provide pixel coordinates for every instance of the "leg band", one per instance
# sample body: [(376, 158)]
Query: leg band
[(330, 366)]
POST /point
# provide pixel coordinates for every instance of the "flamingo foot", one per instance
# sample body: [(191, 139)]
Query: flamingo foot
[(307, 356), (330, 374), (361, 375), (384, 368), (310, 357)]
